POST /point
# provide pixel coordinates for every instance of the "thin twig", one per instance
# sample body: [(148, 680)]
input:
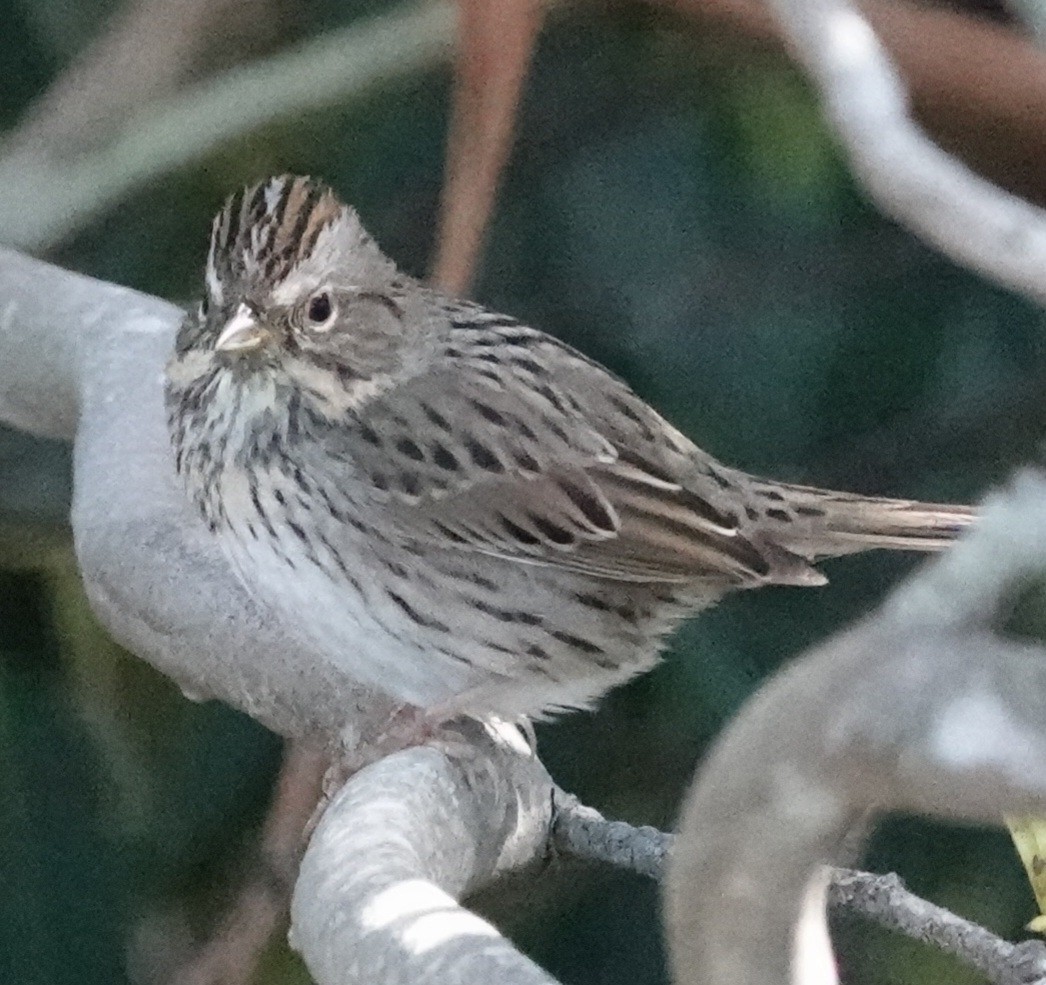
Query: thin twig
[(884, 899), (582, 832), (496, 43)]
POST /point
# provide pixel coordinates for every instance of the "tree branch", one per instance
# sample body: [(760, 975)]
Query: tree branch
[(927, 706), (47, 194), (81, 357), (44, 196), (583, 833), (400, 844), (979, 87), (495, 43), (923, 707), (911, 179), (160, 585), (884, 899)]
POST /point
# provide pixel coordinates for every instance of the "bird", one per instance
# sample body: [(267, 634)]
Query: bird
[(459, 510)]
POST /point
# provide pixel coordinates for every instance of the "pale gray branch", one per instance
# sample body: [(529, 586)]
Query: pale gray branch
[(926, 706), (45, 197), (84, 358), (922, 707), (401, 843), (912, 180), (581, 832), (147, 48)]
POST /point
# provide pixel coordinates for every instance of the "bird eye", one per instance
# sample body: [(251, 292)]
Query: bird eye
[(320, 309)]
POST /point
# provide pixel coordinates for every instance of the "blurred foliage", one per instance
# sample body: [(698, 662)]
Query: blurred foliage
[(675, 207)]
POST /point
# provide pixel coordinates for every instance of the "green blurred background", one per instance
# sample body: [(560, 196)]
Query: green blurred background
[(675, 207)]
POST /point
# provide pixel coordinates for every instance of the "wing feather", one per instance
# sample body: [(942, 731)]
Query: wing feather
[(551, 460)]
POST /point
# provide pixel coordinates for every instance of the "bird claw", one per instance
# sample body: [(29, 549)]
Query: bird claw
[(409, 726)]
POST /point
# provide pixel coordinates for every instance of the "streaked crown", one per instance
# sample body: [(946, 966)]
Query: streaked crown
[(273, 228), (265, 230)]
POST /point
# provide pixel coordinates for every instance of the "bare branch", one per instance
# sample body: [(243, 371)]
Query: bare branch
[(82, 357), (584, 833), (400, 844), (43, 198), (922, 707), (910, 178), (885, 900), (148, 47), (161, 587), (158, 582), (41, 353)]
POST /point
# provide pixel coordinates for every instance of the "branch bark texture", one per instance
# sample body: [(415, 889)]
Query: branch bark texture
[(925, 706), (400, 845)]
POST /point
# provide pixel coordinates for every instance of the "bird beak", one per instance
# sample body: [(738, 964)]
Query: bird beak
[(242, 333)]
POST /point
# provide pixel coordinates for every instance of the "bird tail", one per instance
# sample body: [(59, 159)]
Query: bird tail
[(818, 523)]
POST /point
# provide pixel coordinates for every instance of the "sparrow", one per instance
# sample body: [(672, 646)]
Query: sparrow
[(457, 509)]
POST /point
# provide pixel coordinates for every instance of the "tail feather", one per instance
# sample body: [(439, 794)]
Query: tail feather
[(818, 523)]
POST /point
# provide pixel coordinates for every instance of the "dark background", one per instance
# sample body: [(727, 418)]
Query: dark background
[(675, 207)]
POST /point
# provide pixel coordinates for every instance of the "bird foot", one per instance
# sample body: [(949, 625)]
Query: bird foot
[(409, 726)]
